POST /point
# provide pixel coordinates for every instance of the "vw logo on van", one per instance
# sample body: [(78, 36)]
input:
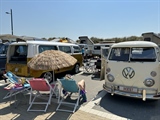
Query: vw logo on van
[(128, 72)]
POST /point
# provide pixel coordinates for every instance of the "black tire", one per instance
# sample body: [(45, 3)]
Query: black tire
[(76, 68), (48, 76)]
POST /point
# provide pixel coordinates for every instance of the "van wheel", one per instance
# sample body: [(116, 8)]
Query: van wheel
[(76, 68), (48, 76)]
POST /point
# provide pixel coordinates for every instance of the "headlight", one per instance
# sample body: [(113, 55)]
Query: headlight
[(149, 82), (110, 77), (153, 73)]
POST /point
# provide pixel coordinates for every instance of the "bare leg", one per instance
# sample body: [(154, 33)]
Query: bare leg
[(82, 85)]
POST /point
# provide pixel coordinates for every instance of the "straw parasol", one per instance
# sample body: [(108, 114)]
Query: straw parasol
[(51, 60)]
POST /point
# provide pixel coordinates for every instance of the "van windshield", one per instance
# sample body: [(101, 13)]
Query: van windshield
[(119, 54), (144, 54)]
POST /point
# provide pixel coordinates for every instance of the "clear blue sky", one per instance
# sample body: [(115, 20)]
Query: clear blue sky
[(74, 18)]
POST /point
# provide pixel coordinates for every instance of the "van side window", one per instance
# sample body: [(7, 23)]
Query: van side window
[(77, 49), (20, 54), (46, 47), (105, 52), (66, 49), (20, 50)]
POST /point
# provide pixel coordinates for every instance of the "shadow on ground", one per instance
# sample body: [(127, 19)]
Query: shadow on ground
[(131, 108)]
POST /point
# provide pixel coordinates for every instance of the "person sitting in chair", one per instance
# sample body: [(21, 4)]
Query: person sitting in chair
[(81, 85), (20, 83)]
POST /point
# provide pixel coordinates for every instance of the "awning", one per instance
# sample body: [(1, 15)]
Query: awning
[(14, 38)]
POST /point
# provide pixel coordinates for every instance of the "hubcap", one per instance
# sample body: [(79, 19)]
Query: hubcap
[(48, 76)]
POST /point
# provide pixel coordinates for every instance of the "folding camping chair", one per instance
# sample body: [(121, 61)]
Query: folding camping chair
[(70, 86), (39, 85), (11, 77), (89, 66), (18, 89), (14, 78)]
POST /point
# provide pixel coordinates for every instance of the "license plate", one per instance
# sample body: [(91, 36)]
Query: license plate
[(128, 89)]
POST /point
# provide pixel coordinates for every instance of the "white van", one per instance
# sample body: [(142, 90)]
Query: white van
[(133, 70), (19, 53), (97, 48)]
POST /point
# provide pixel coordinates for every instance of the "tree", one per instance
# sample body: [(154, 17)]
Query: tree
[(116, 39)]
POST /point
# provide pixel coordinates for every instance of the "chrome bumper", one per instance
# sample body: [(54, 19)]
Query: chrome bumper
[(142, 95)]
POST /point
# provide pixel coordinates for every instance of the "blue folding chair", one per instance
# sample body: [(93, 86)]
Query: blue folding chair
[(14, 80), (70, 86)]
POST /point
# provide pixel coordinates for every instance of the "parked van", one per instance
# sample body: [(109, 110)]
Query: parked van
[(3, 52), (133, 70), (19, 53), (97, 48)]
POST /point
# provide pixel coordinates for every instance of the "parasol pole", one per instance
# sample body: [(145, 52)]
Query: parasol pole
[(53, 76)]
